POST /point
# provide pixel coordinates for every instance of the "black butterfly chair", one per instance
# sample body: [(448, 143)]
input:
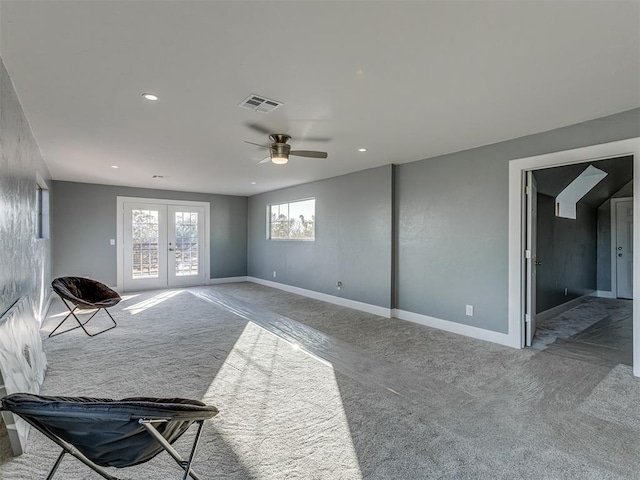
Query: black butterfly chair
[(84, 294), (113, 433)]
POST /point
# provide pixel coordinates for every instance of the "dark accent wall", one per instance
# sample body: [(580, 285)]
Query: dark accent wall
[(86, 220), (353, 238), (24, 260), (567, 249)]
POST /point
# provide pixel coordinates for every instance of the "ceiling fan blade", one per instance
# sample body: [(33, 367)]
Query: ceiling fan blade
[(257, 144), (259, 128), (268, 159), (314, 139), (308, 153)]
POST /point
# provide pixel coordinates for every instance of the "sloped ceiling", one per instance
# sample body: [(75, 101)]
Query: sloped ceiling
[(551, 181)]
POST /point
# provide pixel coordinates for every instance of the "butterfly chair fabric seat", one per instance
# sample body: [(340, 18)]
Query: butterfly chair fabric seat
[(84, 294), (102, 432)]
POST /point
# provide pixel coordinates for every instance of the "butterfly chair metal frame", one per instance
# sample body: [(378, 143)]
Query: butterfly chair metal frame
[(84, 294), (81, 324), (149, 423)]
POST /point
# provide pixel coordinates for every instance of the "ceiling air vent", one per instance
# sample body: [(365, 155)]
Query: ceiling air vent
[(260, 104)]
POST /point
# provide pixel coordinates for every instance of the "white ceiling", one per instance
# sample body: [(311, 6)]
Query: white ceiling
[(406, 80)]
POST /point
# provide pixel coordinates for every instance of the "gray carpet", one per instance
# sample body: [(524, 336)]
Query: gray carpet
[(400, 401), (600, 330)]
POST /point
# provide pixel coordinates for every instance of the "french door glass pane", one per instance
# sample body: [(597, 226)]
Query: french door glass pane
[(145, 243), (186, 243)]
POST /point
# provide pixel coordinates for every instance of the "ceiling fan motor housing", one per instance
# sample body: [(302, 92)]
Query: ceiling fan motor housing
[(280, 148)]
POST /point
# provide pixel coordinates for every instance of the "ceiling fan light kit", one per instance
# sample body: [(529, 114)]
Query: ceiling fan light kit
[(280, 150)]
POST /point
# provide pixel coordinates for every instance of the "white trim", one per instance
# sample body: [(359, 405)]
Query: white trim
[(343, 302), (454, 327), (563, 307), (578, 155), (120, 201), (44, 209), (605, 294), (217, 281), (614, 242)]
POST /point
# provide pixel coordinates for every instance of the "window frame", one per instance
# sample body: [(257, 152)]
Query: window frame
[(289, 238), (42, 210)]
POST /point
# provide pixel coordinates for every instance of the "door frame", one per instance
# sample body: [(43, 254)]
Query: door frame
[(517, 169), (120, 201), (530, 259), (614, 241)]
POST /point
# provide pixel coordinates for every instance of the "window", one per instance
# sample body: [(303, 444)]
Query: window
[(293, 220), (42, 208)]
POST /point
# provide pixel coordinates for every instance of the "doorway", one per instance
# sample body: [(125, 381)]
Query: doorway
[(573, 299), (517, 231), (162, 243)]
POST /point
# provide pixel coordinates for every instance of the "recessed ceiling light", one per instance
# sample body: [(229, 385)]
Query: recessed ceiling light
[(150, 96), (253, 183), (362, 149), (115, 166)]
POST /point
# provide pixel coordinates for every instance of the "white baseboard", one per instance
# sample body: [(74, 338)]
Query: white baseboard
[(217, 281), (557, 310), (605, 294), (210, 281), (343, 302), (459, 328), (466, 330)]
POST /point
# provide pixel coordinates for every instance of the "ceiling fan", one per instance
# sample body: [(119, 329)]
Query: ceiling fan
[(279, 150)]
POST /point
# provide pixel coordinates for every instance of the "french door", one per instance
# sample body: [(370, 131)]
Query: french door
[(163, 245)]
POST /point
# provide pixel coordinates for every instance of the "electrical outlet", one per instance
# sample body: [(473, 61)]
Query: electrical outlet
[(274, 274), (339, 285), (469, 310), (112, 241), (565, 291)]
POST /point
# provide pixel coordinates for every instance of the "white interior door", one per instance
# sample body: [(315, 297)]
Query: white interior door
[(164, 245), (145, 246), (531, 258), (185, 245), (624, 249)]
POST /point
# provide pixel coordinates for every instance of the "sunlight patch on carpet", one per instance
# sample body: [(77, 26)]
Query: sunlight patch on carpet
[(152, 302), (281, 410)]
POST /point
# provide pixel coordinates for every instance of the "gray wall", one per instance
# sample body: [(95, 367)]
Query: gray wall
[(353, 238), (24, 260), (450, 231), (453, 222), (85, 220), (604, 238), (567, 250)]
